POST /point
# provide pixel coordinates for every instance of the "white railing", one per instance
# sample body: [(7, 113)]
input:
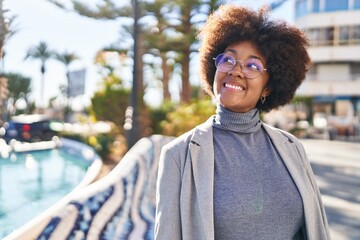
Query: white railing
[(333, 77)]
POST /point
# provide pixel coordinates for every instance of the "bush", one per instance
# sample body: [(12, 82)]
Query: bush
[(157, 115), (110, 105), (109, 146), (186, 116)]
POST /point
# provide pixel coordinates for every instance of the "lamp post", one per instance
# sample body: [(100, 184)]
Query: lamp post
[(134, 130)]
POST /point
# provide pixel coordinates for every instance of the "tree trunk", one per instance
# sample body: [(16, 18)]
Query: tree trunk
[(143, 115), (2, 60), (187, 41), (186, 90), (165, 77), (140, 75)]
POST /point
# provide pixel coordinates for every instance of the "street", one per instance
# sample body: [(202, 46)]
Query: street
[(337, 169)]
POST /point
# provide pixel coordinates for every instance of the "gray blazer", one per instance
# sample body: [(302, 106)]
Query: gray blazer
[(184, 195)]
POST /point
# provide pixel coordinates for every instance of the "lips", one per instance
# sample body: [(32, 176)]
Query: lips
[(234, 87)]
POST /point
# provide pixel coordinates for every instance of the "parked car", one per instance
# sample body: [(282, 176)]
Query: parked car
[(29, 128)]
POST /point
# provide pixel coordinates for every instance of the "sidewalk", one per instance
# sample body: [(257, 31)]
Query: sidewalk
[(337, 169)]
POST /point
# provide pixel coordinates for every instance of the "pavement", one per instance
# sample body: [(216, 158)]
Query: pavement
[(337, 170)]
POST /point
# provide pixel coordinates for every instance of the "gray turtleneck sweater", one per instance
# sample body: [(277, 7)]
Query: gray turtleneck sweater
[(254, 195)]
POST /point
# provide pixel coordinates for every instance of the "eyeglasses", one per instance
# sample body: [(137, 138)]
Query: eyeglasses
[(251, 67)]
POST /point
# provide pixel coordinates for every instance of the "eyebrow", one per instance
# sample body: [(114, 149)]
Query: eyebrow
[(251, 56)]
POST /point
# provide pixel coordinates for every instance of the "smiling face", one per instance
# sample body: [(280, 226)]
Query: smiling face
[(232, 89)]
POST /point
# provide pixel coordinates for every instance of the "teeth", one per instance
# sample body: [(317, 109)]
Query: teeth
[(234, 87)]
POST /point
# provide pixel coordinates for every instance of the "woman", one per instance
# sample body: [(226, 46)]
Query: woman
[(234, 177)]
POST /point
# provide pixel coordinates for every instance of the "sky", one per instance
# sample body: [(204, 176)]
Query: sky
[(39, 20)]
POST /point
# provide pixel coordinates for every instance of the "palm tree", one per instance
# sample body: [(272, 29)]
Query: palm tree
[(190, 14), (158, 43), (19, 89), (66, 58), (43, 53), (18, 85), (6, 30)]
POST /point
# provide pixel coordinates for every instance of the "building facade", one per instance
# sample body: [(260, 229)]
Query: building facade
[(333, 83)]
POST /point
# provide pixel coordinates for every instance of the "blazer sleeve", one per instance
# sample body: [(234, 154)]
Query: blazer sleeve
[(167, 218), (312, 180)]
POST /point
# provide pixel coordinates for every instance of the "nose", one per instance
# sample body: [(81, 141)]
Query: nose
[(237, 71)]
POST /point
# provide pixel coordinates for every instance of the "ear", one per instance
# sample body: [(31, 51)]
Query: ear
[(266, 92)]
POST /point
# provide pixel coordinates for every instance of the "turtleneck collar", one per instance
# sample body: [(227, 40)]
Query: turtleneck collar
[(248, 122)]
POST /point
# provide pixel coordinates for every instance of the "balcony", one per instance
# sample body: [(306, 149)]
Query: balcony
[(344, 78), (330, 85), (335, 53)]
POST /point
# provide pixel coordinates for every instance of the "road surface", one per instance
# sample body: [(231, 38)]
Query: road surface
[(337, 169)]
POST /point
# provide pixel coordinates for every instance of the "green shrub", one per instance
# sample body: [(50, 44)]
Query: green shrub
[(110, 105), (157, 115), (103, 143), (186, 116)]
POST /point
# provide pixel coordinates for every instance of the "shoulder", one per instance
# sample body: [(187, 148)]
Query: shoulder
[(277, 134), (179, 147), (196, 135), (281, 133), (174, 153), (179, 142)]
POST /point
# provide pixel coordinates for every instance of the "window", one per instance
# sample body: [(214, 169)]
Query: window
[(314, 36), (355, 35), (327, 36), (344, 35), (357, 4), (321, 36), (316, 6), (335, 5), (300, 8)]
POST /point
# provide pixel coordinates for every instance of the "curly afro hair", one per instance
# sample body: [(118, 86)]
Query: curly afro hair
[(283, 45)]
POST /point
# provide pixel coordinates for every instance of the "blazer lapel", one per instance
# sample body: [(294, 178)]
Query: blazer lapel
[(202, 160), (293, 162), (287, 152)]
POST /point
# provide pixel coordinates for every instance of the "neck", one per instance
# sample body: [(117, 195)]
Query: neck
[(247, 122)]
